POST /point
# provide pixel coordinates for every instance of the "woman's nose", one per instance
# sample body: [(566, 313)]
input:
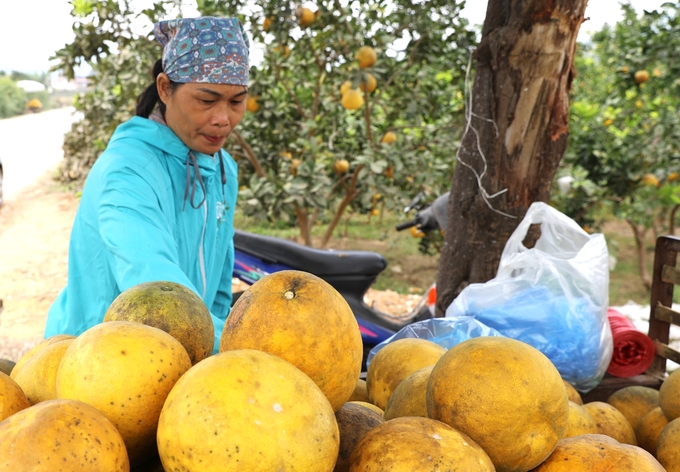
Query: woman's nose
[(221, 116)]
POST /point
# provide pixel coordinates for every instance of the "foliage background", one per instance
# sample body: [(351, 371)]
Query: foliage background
[(301, 129)]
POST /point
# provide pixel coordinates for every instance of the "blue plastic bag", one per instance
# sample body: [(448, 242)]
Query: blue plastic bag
[(447, 332), (553, 296)]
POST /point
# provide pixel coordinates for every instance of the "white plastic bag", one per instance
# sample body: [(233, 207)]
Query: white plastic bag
[(553, 296), (447, 332)]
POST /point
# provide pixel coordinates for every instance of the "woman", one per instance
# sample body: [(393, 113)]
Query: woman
[(159, 202)]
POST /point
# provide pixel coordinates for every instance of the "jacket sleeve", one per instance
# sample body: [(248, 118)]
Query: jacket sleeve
[(222, 304), (136, 232)]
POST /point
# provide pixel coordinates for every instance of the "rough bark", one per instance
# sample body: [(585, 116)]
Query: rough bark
[(524, 70)]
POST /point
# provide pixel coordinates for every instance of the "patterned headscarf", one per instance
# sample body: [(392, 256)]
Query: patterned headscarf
[(204, 50)]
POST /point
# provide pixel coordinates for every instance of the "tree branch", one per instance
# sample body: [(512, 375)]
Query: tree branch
[(250, 154), (350, 194)]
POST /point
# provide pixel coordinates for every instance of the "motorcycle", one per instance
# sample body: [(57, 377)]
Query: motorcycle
[(351, 273)]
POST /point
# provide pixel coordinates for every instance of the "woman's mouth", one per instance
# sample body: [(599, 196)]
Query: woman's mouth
[(213, 139)]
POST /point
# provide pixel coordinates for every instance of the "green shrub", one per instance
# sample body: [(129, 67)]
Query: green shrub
[(12, 98)]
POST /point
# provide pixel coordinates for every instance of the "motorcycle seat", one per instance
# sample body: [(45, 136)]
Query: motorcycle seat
[(321, 262)]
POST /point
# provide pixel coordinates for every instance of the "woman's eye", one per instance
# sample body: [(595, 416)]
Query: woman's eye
[(208, 101)]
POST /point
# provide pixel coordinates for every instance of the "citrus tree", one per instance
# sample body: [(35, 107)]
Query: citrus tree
[(624, 148), (351, 107)]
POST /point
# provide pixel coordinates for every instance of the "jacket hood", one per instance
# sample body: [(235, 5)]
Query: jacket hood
[(162, 137)]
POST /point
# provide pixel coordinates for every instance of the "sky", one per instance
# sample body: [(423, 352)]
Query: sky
[(29, 39)]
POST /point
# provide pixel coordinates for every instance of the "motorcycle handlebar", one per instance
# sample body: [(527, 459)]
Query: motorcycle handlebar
[(408, 224)]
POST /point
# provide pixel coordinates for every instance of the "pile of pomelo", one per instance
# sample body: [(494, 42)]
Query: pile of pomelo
[(142, 391)]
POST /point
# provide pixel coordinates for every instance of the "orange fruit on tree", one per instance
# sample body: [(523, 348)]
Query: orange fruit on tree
[(416, 232), (389, 172), (366, 56), (295, 163), (389, 138), (252, 105), (305, 16), (283, 50), (641, 76), (341, 166), (352, 100), (346, 85), (651, 180), (267, 23), (369, 84), (672, 177), (301, 318)]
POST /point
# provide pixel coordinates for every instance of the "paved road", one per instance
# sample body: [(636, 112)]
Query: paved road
[(30, 145)]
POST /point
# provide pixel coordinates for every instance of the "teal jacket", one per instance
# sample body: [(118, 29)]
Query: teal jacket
[(134, 225)]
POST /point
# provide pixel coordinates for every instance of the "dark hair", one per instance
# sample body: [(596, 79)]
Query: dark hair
[(149, 98)]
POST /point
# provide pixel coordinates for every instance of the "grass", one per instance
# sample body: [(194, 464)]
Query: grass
[(409, 271)]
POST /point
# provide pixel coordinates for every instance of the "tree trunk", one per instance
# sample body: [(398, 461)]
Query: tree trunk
[(639, 234), (520, 112)]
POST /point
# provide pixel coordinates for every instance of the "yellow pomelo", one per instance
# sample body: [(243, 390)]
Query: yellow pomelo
[(252, 105), (389, 138), (305, 16), (61, 435), (579, 422), (360, 393), (611, 422), (572, 393), (352, 100), (301, 318), (369, 406), (36, 349), (246, 410), (649, 428), (418, 444), (634, 402), (598, 453), (668, 447), (396, 361), (341, 166), (346, 85), (170, 307), (669, 396), (409, 398), (38, 377), (369, 84), (12, 398), (125, 370), (366, 56), (354, 421), (503, 393)]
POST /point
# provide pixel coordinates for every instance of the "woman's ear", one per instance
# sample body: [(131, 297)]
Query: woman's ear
[(163, 86)]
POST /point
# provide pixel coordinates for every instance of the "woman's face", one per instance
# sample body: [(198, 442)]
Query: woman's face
[(202, 115)]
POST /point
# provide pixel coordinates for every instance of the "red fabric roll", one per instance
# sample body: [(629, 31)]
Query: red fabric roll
[(633, 349)]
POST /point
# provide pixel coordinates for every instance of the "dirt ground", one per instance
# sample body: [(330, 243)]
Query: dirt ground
[(34, 235)]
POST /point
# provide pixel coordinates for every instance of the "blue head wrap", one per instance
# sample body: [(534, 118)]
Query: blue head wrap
[(204, 50)]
